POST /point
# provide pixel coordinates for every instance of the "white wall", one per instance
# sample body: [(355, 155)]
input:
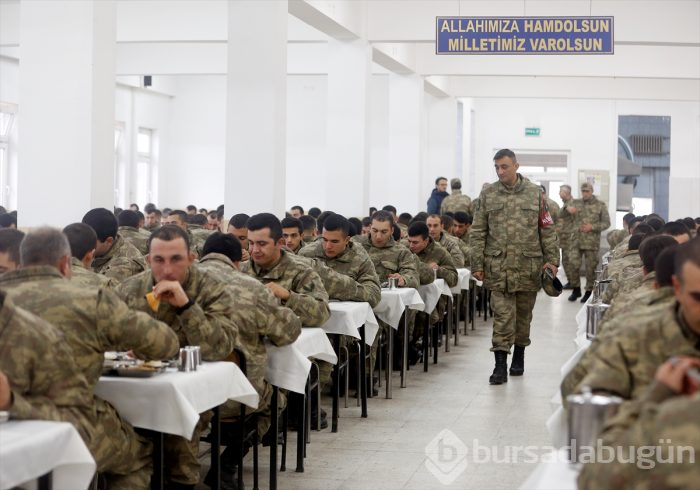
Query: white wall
[(9, 92)]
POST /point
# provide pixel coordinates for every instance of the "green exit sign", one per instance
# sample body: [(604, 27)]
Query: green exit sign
[(532, 131)]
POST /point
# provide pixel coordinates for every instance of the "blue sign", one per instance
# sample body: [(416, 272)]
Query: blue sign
[(524, 35)]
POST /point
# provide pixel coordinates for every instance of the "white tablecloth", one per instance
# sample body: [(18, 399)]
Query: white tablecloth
[(32, 448), (171, 402), (463, 282), (557, 474), (394, 302), (348, 316), (430, 293), (288, 366)]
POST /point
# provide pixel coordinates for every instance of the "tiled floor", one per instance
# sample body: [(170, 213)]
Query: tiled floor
[(388, 449)]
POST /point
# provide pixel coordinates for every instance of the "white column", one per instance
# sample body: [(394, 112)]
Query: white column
[(66, 132), (256, 108), (406, 144), (347, 152)]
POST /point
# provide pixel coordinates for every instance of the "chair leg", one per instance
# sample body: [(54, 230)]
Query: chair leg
[(359, 376), (285, 420), (346, 363), (255, 463)]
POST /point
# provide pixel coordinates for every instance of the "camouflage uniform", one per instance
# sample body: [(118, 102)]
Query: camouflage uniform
[(626, 362), (135, 237), (258, 315), (661, 420), (621, 248), (42, 390), (390, 259), (593, 212), (629, 299), (209, 324), (451, 244), (198, 235), (653, 304), (554, 211), (308, 239), (433, 252), (565, 227), (86, 278), (307, 296), (510, 247), (456, 202), (123, 260), (351, 275), (615, 237), (94, 321), (616, 272)]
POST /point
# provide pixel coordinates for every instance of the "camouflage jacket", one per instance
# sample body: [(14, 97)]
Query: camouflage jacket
[(352, 276), (93, 321), (618, 271), (593, 212), (463, 242), (507, 242), (208, 323), (660, 420), (615, 237), (621, 248), (257, 315), (554, 211), (456, 202), (626, 282), (625, 302), (390, 259), (135, 237), (451, 244), (307, 295), (565, 225), (45, 382), (86, 278), (308, 239), (653, 304), (198, 235), (434, 252), (123, 260), (625, 363)]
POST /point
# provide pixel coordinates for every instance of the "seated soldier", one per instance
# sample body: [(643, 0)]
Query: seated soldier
[(129, 230), (628, 315), (625, 363), (10, 239), (93, 321), (83, 241), (30, 387), (677, 230), (291, 279), (152, 221), (258, 315), (114, 257), (180, 218), (448, 242), (620, 268), (237, 227), (292, 232), (200, 309), (403, 222), (309, 224), (366, 225), (354, 277), (460, 229), (663, 420), (198, 227), (433, 262)]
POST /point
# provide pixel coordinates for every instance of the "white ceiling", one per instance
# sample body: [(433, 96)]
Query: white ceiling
[(657, 44)]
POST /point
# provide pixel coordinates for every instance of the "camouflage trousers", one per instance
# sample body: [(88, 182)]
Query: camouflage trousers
[(572, 274), (512, 314), (591, 259), (181, 456), (122, 455)]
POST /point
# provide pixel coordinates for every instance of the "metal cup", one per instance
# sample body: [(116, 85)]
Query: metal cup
[(435, 274), (197, 354), (392, 283), (187, 362)]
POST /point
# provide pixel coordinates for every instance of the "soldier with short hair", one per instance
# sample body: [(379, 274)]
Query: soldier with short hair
[(456, 201), (10, 240), (237, 226), (199, 308), (114, 256), (447, 241), (512, 241), (129, 229), (93, 322), (565, 232), (591, 218), (83, 240), (292, 232)]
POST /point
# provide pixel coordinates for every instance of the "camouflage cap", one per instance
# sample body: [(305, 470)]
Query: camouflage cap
[(586, 186), (551, 285)]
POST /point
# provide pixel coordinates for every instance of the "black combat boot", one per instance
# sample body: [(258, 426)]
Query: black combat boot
[(500, 372), (586, 296), (517, 365), (575, 294)]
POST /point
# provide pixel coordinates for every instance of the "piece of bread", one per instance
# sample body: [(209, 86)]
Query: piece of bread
[(153, 302)]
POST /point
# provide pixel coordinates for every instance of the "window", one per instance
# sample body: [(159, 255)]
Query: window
[(119, 167), (144, 163), (7, 117)]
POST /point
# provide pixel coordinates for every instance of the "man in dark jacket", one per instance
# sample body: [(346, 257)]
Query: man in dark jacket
[(438, 194)]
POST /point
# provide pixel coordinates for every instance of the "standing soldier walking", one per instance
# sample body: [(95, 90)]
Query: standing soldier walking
[(513, 240), (590, 219)]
